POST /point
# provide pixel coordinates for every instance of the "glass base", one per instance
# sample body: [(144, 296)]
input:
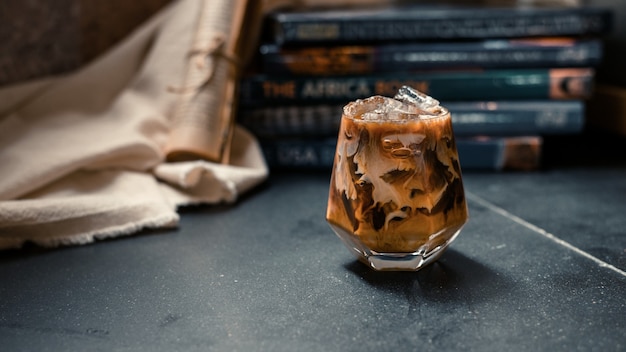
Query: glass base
[(411, 261)]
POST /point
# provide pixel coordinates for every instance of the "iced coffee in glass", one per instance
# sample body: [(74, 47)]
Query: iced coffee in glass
[(396, 195)]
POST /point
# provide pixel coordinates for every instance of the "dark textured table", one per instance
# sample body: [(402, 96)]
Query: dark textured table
[(541, 266)]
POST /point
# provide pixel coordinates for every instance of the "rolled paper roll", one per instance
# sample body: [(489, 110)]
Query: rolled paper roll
[(203, 120)]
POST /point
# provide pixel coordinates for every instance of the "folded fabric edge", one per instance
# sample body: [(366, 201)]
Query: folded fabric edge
[(53, 241)]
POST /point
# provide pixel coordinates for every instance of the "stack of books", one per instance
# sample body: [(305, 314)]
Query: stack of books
[(509, 76)]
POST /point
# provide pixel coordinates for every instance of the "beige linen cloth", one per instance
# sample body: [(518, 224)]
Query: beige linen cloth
[(82, 158)]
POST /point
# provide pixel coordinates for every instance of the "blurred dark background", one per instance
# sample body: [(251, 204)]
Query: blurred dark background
[(43, 38), (47, 37)]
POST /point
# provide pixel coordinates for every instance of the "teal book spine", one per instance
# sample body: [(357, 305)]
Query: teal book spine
[(517, 84)]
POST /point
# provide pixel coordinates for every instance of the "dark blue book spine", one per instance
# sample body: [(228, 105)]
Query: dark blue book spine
[(517, 118), (466, 85), (481, 153), (355, 60), (494, 118), (434, 23)]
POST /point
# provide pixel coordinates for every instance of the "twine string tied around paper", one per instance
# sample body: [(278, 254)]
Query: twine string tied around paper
[(204, 59)]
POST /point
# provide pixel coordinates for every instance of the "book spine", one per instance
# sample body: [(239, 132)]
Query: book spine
[(494, 118), (572, 83), (292, 120), (485, 153), (517, 118), (290, 28), (522, 153), (491, 54), (299, 153)]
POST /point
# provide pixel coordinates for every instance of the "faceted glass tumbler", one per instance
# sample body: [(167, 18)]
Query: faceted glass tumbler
[(396, 196)]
